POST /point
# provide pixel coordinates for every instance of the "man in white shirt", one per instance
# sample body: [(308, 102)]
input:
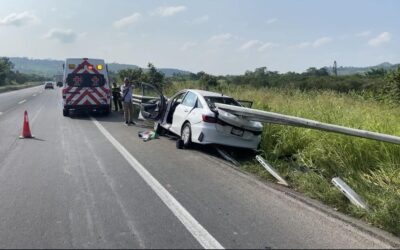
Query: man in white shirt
[(126, 97)]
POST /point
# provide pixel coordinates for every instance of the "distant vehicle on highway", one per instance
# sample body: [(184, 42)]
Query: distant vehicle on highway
[(59, 80), (192, 115), (48, 85), (86, 86)]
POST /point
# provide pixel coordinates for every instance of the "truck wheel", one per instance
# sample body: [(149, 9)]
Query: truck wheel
[(65, 112), (107, 111)]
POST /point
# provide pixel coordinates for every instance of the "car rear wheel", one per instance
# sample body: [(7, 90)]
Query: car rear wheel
[(186, 135), (65, 112)]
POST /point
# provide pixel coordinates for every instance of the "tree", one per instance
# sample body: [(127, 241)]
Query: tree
[(380, 72), (392, 86), (154, 76), (5, 69), (132, 74), (316, 72), (207, 80)]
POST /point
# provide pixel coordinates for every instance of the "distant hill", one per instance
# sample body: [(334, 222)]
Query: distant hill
[(49, 67), (348, 70)]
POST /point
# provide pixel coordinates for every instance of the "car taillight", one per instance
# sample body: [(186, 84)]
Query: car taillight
[(209, 119)]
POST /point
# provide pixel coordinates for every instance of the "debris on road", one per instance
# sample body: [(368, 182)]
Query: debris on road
[(227, 157), (148, 135), (272, 171), (349, 193)]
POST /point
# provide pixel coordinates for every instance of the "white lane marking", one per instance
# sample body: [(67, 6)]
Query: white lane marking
[(1, 113), (22, 101), (36, 115), (205, 239), (34, 94)]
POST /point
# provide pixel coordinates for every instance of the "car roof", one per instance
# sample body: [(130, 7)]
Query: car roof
[(206, 93)]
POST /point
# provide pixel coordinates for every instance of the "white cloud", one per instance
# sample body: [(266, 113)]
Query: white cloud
[(221, 38), (201, 19), (18, 19), (64, 36), (271, 20), (125, 21), (321, 41), (256, 44), (317, 43), (188, 45), (301, 45), (364, 33), (251, 44), (167, 11), (266, 46), (384, 37)]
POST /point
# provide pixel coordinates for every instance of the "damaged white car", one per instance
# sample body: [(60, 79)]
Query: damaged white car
[(192, 115)]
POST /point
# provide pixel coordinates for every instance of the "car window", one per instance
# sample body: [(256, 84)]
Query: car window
[(190, 99), (179, 97), (212, 100)]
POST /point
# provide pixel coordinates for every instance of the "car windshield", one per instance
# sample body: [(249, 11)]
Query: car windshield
[(212, 100), (85, 80)]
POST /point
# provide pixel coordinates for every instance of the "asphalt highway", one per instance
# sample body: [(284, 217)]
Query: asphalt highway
[(91, 182)]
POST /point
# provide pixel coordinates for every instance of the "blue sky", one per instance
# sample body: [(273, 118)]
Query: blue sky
[(219, 37)]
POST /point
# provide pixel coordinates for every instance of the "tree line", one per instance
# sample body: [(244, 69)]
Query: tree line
[(9, 76), (380, 83)]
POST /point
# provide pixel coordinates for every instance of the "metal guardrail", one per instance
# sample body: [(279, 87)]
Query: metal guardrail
[(271, 117), (138, 99)]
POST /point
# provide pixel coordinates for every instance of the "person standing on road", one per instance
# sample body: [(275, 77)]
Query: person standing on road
[(116, 97), (126, 93)]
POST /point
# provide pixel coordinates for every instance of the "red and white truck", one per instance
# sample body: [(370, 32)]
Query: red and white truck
[(86, 86)]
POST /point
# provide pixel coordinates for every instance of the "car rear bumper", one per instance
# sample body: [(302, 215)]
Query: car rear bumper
[(211, 133)]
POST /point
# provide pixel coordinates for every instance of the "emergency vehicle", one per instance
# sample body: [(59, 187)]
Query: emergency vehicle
[(86, 86)]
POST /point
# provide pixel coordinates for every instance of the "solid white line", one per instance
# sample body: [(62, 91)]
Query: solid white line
[(192, 225), (22, 101), (34, 94), (36, 115), (1, 113)]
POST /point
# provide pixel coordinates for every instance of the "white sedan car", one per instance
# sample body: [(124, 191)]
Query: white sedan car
[(192, 115)]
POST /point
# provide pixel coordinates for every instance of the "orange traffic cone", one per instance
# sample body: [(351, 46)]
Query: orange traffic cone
[(26, 132)]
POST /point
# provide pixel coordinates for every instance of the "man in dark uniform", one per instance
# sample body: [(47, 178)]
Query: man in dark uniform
[(116, 96)]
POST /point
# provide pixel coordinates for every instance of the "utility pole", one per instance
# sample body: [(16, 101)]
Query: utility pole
[(335, 68)]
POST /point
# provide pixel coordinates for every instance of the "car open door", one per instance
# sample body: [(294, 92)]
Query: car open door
[(153, 104)]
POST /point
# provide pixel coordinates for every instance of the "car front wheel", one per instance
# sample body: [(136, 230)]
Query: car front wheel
[(186, 135)]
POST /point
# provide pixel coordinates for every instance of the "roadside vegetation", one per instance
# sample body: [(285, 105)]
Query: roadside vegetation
[(309, 159), (14, 80)]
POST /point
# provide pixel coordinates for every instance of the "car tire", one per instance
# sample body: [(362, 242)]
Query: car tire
[(65, 112), (179, 144), (186, 135)]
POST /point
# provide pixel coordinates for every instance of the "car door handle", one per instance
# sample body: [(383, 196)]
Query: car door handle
[(185, 110)]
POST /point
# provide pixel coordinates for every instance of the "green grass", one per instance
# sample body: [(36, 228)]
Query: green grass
[(11, 87), (309, 159)]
